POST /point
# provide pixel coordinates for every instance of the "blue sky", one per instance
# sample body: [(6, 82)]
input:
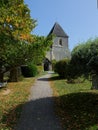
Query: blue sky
[(78, 18)]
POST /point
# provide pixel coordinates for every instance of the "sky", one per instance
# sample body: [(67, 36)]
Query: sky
[(78, 18)]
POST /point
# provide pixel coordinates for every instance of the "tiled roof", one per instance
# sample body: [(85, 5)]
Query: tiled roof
[(58, 31)]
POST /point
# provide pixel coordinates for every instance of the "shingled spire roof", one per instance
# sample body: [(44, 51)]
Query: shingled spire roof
[(58, 31)]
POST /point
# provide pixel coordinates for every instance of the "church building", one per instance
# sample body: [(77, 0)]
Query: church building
[(59, 49)]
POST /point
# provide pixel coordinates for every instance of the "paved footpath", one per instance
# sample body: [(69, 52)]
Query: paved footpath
[(38, 113)]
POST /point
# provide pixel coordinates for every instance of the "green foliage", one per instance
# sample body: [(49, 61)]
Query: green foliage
[(40, 47), (40, 69), (93, 64), (15, 32), (16, 26), (61, 67), (53, 64), (30, 70), (15, 21), (84, 61), (85, 58)]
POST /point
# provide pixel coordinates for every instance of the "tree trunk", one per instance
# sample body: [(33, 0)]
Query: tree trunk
[(14, 75), (94, 82), (1, 77)]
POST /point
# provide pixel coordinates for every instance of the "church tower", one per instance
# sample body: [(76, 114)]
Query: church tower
[(60, 49)]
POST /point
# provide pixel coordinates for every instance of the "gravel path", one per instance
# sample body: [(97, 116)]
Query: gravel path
[(38, 113)]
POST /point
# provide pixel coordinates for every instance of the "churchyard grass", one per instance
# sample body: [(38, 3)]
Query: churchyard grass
[(12, 99), (76, 104)]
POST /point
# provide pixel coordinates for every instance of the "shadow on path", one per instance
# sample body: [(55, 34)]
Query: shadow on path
[(79, 111), (50, 78), (36, 114), (43, 79)]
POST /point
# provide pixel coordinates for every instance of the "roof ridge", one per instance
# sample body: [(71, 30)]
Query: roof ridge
[(58, 30)]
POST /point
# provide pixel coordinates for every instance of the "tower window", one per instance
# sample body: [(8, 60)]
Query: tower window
[(60, 42)]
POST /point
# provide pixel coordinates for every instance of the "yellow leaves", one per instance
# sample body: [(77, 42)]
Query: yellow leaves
[(17, 25), (16, 21), (8, 19), (20, 35), (20, 6), (11, 105), (26, 37)]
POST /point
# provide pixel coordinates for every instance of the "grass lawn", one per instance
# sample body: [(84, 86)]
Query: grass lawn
[(76, 104), (12, 99)]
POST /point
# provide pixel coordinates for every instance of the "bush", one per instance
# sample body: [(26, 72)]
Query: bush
[(40, 69), (66, 69), (62, 67), (29, 70), (53, 64)]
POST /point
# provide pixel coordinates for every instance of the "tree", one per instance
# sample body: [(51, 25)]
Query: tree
[(15, 21), (20, 55), (85, 60), (15, 33), (40, 46)]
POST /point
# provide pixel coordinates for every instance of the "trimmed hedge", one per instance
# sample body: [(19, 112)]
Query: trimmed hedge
[(62, 68), (29, 70)]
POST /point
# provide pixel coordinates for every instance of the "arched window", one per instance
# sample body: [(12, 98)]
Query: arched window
[(60, 42)]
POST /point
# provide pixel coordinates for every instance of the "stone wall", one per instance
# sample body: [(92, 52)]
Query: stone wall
[(59, 49)]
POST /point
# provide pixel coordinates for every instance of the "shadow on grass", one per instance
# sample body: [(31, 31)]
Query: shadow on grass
[(78, 111), (71, 81)]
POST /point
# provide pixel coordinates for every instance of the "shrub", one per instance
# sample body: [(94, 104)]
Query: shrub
[(62, 67), (29, 70), (40, 69), (53, 64)]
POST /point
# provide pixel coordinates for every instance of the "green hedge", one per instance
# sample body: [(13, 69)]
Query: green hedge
[(29, 70), (53, 64), (62, 67)]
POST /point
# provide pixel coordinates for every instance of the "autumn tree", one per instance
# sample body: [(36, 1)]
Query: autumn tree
[(16, 25)]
